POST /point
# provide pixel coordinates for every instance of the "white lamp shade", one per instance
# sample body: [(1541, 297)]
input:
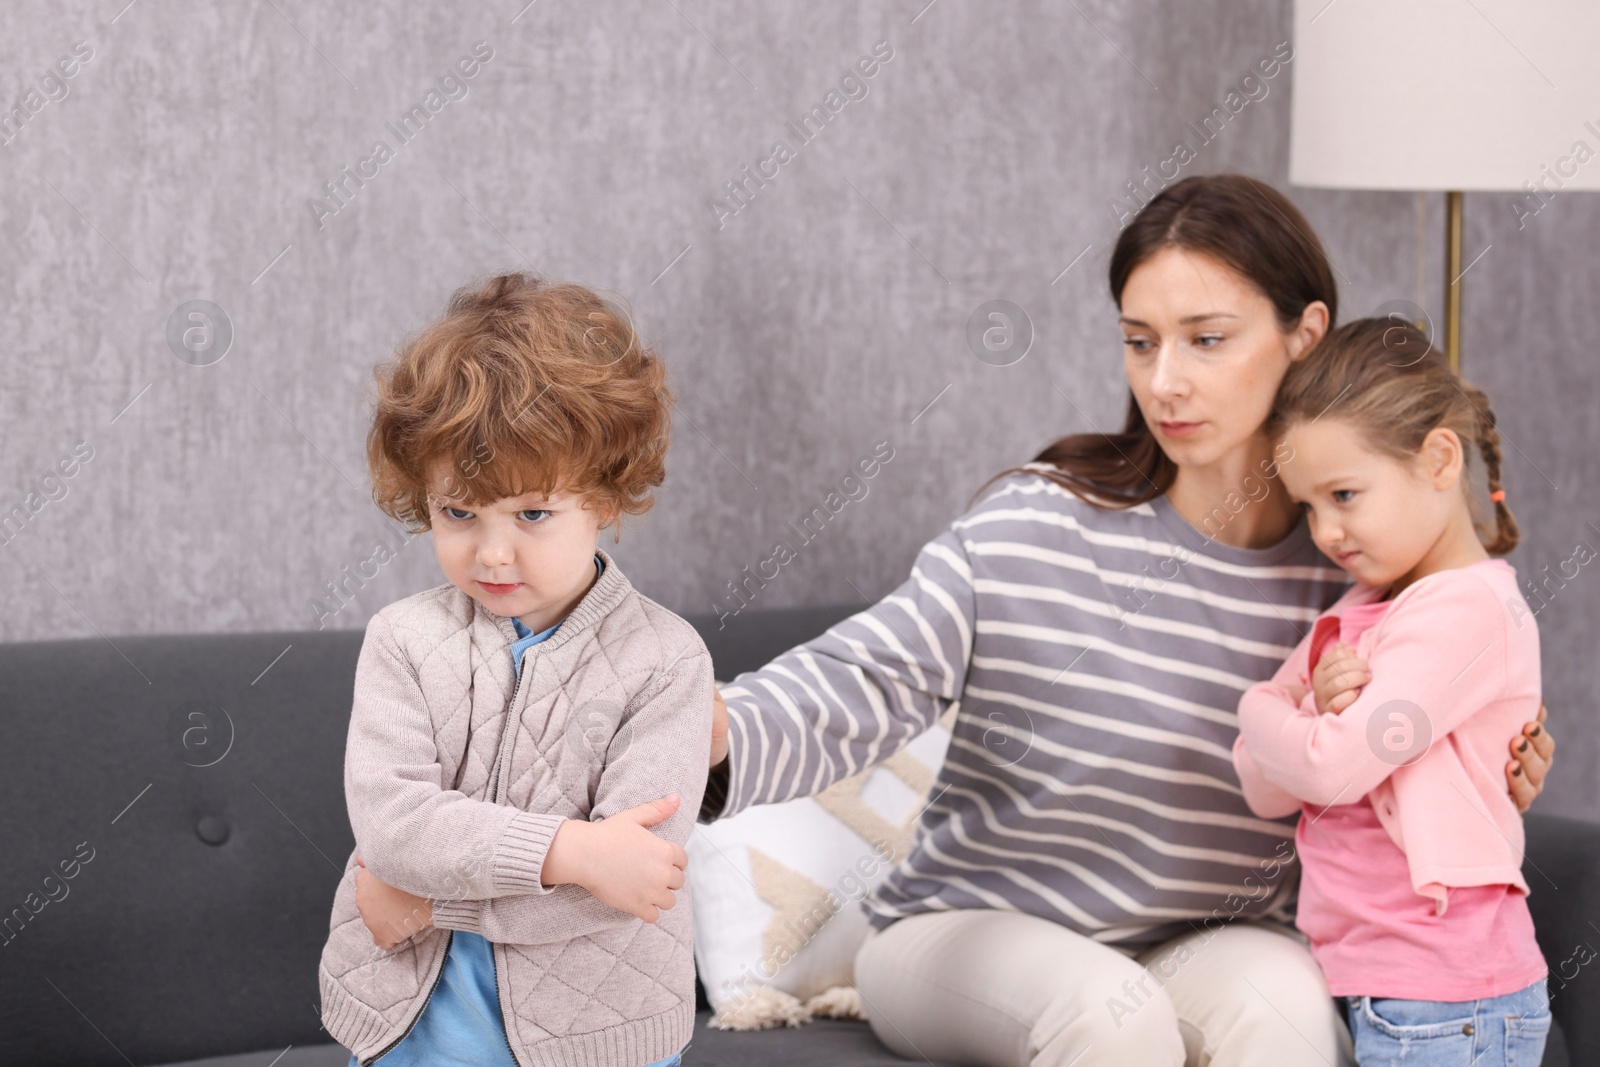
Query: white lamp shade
[(1446, 94)]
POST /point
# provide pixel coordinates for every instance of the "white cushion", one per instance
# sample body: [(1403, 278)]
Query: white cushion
[(777, 888)]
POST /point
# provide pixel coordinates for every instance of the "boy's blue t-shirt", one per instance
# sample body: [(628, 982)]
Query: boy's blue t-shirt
[(461, 1025)]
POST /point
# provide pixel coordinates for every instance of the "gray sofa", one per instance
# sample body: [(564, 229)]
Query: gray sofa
[(192, 785)]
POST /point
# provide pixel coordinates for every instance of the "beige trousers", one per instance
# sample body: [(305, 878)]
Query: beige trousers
[(1004, 989)]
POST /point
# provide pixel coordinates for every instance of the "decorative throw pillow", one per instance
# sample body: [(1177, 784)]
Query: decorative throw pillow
[(777, 888)]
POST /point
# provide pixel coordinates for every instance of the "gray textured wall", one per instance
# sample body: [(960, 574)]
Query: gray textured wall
[(182, 158)]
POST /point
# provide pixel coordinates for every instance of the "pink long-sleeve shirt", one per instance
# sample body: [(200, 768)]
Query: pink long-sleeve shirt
[(1410, 847)]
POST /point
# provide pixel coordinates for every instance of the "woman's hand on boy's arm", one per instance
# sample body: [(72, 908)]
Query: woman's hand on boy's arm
[(1532, 752), (719, 728)]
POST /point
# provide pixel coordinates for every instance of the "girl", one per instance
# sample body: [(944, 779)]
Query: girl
[(1098, 614), (1386, 724)]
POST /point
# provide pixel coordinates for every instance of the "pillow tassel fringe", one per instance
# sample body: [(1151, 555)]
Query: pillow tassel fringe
[(839, 1002), (763, 1009)]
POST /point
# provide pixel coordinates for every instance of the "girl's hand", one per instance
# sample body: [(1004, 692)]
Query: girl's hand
[(1532, 752), (719, 728), (392, 915), (1338, 679), (625, 865)]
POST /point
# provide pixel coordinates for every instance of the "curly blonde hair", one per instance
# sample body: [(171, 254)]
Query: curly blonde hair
[(522, 386)]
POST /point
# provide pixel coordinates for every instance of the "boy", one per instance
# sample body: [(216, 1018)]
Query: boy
[(513, 729)]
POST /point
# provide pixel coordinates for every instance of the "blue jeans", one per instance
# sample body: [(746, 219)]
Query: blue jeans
[(1505, 1031)]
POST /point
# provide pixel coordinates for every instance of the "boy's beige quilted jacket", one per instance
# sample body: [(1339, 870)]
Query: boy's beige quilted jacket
[(457, 774)]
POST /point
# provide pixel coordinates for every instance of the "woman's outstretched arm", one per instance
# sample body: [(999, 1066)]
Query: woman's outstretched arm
[(852, 697)]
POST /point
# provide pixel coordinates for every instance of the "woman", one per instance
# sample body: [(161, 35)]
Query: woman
[(1088, 885)]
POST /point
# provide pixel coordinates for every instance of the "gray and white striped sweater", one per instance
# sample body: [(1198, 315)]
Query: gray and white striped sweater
[(1098, 657)]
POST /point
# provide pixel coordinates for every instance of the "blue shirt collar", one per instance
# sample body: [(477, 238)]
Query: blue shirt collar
[(526, 638)]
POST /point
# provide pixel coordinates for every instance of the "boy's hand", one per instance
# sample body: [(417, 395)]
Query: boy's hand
[(719, 728), (392, 915), (619, 861), (1338, 679)]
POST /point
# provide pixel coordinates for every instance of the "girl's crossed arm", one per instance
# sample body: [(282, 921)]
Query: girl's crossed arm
[(1442, 659)]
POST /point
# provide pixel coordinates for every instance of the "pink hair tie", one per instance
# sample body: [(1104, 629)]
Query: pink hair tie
[(1498, 495)]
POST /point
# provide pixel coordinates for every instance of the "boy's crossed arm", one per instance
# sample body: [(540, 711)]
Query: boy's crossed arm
[(536, 887), (618, 868), (411, 831), (643, 872)]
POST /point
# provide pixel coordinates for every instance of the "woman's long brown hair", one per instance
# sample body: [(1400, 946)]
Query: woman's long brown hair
[(1245, 224)]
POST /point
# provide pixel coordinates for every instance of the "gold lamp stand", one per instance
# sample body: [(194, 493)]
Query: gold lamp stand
[(1452, 274)]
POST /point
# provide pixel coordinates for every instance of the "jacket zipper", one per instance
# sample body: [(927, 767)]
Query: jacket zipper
[(506, 732), (504, 1033), (494, 786), (506, 736), (412, 1025)]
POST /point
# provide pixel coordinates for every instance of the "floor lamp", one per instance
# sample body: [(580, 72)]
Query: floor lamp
[(1452, 96)]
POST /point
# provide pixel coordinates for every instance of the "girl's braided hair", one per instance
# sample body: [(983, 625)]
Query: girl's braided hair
[(1384, 378)]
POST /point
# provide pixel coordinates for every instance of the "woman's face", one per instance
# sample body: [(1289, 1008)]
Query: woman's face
[(1204, 353)]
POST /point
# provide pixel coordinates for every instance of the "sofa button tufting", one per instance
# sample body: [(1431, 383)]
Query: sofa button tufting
[(212, 830)]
